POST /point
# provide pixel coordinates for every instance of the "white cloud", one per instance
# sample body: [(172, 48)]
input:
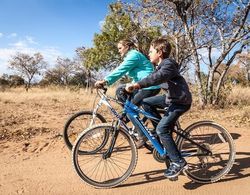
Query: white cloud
[(19, 44), (1, 34), (12, 35), (31, 40), (215, 53), (204, 60), (49, 53), (24, 43)]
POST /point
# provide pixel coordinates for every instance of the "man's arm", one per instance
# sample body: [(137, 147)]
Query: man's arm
[(162, 75)]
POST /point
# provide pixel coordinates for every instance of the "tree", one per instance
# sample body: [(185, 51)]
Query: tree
[(15, 80), (150, 14), (4, 80), (66, 72), (27, 66), (237, 75), (203, 26), (117, 25), (244, 59)]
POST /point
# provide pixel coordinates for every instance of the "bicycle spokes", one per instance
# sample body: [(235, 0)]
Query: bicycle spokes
[(203, 166)]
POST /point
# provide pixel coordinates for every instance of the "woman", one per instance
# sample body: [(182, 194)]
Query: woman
[(136, 66)]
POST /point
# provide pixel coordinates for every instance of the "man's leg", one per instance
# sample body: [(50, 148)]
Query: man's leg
[(151, 104), (164, 131)]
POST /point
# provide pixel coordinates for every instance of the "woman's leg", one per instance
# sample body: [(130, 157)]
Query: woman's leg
[(120, 95), (140, 95)]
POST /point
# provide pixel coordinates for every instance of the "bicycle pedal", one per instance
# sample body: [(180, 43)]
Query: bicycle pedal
[(173, 178)]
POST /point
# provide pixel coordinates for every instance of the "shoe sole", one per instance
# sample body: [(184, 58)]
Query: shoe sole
[(178, 173)]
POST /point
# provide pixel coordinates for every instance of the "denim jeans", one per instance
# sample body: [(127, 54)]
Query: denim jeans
[(137, 98), (165, 127), (138, 95)]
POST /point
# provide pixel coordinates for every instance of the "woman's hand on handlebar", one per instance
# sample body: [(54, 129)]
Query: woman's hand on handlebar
[(100, 84)]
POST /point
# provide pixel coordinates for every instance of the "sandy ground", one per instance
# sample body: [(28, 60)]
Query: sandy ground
[(35, 160)]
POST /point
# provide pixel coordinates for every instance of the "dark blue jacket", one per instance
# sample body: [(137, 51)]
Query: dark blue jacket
[(168, 77)]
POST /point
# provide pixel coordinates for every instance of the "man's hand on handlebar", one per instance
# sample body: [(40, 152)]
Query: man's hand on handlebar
[(100, 84)]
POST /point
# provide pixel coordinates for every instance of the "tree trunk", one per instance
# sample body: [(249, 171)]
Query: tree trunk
[(218, 87), (197, 66), (210, 87), (89, 85), (221, 79), (27, 86)]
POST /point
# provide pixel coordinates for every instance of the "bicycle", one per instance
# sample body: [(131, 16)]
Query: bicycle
[(84, 119), (105, 155)]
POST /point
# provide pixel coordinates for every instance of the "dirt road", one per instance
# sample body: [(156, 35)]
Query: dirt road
[(34, 159)]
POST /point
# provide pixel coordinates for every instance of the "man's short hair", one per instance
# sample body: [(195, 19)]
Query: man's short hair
[(162, 44)]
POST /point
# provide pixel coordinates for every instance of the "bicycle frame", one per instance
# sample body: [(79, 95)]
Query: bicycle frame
[(133, 111), (104, 100)]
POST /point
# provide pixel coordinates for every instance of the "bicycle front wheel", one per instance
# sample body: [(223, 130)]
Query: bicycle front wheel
[(77, 123), (204, 167), (96, 169)]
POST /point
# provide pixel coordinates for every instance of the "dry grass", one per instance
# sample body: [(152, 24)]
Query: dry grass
[(45, 110), (41, 110), (239, 96), (67, 96)]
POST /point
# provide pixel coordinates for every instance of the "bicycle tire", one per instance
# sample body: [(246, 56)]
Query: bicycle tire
[(83, 171), (77, 116), (213, 137)]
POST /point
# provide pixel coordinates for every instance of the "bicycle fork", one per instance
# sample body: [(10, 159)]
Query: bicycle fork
[(114, 132)]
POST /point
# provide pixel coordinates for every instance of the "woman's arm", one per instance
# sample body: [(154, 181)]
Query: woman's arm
[(129, 62)]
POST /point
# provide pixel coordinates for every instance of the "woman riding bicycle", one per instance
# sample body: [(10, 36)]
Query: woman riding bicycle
[(137, 66)]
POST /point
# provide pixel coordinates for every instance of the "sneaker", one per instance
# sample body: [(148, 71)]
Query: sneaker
[(175, 169), (141, 141)]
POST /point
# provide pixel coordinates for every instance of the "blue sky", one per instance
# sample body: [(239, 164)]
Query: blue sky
[(52, 27)]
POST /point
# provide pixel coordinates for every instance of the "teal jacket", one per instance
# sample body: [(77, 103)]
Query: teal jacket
[(135, 65)]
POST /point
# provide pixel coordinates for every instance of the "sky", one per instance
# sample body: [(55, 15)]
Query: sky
[(52, 27)]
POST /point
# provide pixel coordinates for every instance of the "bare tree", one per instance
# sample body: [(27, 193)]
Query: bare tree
[(157, 13), (244, 59), (66, 72), (89, 75), (27, 66), (202, 26)]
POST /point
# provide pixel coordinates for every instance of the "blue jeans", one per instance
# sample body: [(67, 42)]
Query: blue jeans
[(138, 95), (165, 127), (137, 98)]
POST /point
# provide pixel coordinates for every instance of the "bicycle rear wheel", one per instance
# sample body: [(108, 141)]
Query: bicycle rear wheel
[(93, 167), (77, 123), (205, 168)]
